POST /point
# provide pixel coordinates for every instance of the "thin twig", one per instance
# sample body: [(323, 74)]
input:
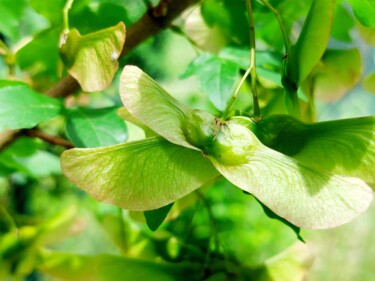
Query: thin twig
[(36, 133), (66, 9), (287, 42), (212, 219), (250, 71), (253, 71)]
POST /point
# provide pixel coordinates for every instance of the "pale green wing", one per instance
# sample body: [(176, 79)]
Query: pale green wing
[(304, 196), (92, 58), (139, 176), (345, 147), (153, 106)]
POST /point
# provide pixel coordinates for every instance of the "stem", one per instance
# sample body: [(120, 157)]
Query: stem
[(35, 133), (250, 71), (124, 246), (212, 220), (66, 9), (287, 42), (253, 72)]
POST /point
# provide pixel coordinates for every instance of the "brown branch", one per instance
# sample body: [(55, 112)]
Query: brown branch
[(149, 25), (36, 133)]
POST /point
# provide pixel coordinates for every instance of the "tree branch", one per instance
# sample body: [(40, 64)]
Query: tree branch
[(149, 25), (36, 133)]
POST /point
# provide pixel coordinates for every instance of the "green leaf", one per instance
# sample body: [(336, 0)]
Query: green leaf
[(40, 57), (21, 107), (217, 78), (19, 21), (368, 83), (92, 58), (338, 73), (23, 156), (345, 147), (268, 64), (95, 127), (155, 218), (140, 176), (306, 197), (364, 11), (153, 106), (343, 23), (229, 16), (113, 268), (52, 10), (312, 42)]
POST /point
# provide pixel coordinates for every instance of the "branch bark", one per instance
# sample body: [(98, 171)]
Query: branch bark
[(149, 25)]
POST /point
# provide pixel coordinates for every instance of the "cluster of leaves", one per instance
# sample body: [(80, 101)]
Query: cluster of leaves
[(305, 174)]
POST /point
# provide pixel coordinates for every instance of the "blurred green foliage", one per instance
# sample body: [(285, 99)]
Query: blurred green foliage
[(43, 238)]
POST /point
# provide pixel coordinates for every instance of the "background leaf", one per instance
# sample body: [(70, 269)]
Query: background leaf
[(364, 11), (338, 73), (92, 58), (312, 41), (112, 268), (217, 78), (95, 127), (21, 107), (139, 176)]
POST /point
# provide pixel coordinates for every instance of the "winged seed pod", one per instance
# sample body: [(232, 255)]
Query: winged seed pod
[(194, 148)]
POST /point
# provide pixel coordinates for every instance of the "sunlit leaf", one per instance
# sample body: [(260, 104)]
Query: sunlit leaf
[(153, 106), (21, 107), (209, 39), (312, 42), (92, 58), (142, 175), (368, 83), (290, 265), (338, 73), (95, 127), (345, 147), (113, 268), (155, 218), (364, 11), (306, 197)]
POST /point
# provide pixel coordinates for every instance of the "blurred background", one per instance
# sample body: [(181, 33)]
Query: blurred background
[(33, 190)]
